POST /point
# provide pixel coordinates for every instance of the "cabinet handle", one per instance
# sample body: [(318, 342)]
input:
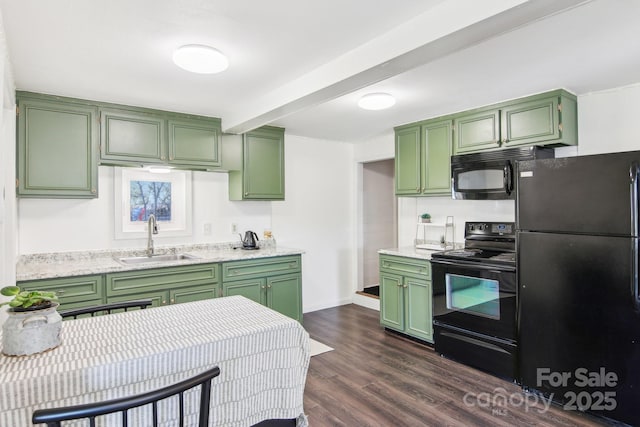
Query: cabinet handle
[(405, 286), (60, 292), (164, 301), (161, 157), (505, 140), (269, 286), (93, 191), (263, 287), (246, 194), (399, 285), (172, 300)]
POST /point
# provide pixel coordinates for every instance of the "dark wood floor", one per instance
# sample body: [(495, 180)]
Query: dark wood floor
[(376, 378)]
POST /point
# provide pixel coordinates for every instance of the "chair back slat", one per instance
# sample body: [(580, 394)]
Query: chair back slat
[(53, 417), (108, 308)]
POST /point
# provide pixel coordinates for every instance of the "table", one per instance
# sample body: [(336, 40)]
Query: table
[(263, 358)]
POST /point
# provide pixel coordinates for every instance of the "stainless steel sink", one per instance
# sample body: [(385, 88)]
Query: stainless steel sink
[(155, 258)]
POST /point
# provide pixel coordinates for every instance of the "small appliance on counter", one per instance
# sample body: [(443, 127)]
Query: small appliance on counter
[(475, 299), (250, 241)]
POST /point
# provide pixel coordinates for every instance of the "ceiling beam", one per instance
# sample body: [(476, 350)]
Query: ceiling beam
[(448, 27)]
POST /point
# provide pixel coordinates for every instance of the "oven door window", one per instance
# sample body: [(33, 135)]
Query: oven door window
[(473, 295), (480, 179)]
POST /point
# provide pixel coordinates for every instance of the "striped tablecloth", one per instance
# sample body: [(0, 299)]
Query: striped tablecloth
[(263, 358)]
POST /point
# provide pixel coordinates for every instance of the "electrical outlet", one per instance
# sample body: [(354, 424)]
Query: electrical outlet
[(206, 229), (234, 227)]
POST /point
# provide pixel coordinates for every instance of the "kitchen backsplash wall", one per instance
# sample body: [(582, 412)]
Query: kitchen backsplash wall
[(58, 225), (440, 207)]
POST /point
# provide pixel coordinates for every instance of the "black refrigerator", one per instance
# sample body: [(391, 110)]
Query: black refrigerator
[(577, 264)]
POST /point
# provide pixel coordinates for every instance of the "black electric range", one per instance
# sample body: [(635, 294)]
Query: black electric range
[(475, 299)]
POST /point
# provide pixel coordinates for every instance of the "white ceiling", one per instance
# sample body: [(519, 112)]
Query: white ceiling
[(303, 65)]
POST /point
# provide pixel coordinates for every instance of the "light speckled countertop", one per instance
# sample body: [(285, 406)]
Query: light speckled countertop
[(409, 251), (80, 263)]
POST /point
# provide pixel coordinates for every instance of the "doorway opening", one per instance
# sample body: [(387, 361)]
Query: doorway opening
[(379, 220)]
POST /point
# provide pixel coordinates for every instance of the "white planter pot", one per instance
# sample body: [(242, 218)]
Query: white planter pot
[(29, 332)]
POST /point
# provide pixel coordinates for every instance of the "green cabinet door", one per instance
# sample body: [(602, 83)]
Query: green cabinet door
[(408, 161), (158, 298), (131, 137), (284, 295), (262, 174), (57, 149), (192, 293), (417, 301), (391, 301), (531, 122), (254, 289), (72, 292), (437, 142), (477, 131), (194, 142)]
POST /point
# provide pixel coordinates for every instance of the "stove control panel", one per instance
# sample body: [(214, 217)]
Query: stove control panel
[(489, 229)]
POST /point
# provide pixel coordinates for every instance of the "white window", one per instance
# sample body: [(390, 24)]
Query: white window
[(140, 193)]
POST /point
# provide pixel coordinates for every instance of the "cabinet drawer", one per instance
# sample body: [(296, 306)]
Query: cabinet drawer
[(406, 266), (70, 290), (262, 267), (133, 282)]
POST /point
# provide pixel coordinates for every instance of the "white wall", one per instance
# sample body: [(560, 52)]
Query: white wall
[(7, 172), (57, 225), (317, 216), (609, 120)]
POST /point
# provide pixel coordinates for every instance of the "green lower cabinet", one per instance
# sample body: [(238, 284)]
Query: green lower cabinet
[(391, 301), (254, 289), (158, 298), (406, 299), (170, 285), (72, 292), (274, 282)]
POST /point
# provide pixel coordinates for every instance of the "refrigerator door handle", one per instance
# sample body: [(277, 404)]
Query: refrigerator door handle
[(634, 172), (508, 177)]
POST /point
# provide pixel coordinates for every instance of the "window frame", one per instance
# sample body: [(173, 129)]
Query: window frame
[(181, 203)]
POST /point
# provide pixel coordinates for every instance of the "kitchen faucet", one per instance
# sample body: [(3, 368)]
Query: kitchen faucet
[(152, 227)]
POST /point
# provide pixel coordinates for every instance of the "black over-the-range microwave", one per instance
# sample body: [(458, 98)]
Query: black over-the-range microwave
[(491, 175)]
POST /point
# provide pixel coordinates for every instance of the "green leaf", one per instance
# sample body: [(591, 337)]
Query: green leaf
[(9, 291)]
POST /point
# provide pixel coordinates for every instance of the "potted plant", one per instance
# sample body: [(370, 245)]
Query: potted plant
[(425, 217), (28, 300), (33, 325)]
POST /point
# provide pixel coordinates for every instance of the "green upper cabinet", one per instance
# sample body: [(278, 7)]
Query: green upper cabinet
[(129, 137), (261, 174), (477, 131), (57, 148), (408, 161), (549, 118), (194, 142), (436, 150), (134, 137), (423, 159)]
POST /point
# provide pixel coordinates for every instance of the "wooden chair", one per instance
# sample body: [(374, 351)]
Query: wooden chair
[(142, 303), (53, 417)]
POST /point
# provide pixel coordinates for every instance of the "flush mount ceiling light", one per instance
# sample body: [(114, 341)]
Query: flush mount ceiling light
[(200, 59), (376, 101)]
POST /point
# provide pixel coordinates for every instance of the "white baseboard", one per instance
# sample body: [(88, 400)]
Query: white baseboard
[(372, 303)]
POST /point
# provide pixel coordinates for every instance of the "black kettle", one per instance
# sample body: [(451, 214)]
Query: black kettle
[(250, 240)]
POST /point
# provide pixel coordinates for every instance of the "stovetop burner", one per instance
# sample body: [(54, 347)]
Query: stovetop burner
[(491, 243)]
